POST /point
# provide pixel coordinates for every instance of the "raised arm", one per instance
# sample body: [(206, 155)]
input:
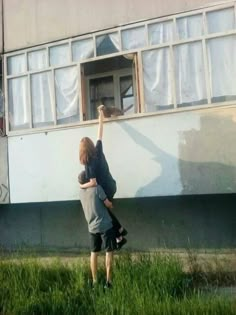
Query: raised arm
[(100, 120)]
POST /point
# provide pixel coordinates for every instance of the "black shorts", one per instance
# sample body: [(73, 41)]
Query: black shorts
[(108, 239)]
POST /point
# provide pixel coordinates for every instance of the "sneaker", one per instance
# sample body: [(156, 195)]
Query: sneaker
[(124, 232), (121, 243), (108, 285)]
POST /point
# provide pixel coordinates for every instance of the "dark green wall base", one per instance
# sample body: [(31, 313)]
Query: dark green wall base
[(204, 221)]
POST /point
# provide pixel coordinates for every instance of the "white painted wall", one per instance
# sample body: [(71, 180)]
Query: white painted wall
[(172, 154), (33, 22), (4, 187)]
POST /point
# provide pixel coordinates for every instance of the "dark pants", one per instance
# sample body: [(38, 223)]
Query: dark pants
[(115, 222)]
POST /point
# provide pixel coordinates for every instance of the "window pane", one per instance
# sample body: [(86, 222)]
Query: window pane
[(59, 55), (18, 103), (82, 49), (189, 75), (157, 80), (222, 67), (191, 26), (37, 59), (160, 32), (16, 64), (101, 91), (107, 44), (127, 94), (221, 20), (67, 97), (42, 99), (133, 38)]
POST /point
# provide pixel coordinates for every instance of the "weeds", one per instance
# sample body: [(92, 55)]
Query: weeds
[(142, 284)]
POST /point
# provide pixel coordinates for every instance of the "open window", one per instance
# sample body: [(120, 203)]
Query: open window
[(111, 82)]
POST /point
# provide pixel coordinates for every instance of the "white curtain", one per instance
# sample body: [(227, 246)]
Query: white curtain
[(191, 26), (189, 74), (42, 99), (67, 98), (82, 49), (18, 103), (133, 38), (16, 64), (222, 65), (221, 20), (159, 33), (59, 55), (37, 59), (157, 79), (113, 38)]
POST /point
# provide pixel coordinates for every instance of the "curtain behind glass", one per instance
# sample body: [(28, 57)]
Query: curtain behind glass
[(133, 38), (18, 103), (37, 60), (190, 26), (42, 99), (16, 64), (160, 32), (82, 49), (107, 44), (67, 96), (59, 55), (222, 67), (157, 79), (221, 20), (189, 74)]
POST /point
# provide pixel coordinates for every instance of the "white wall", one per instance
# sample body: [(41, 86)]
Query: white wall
[(4, 187), (32, 22), (171, 154)]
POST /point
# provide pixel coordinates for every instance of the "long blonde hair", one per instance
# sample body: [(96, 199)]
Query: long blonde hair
[(87, 150)]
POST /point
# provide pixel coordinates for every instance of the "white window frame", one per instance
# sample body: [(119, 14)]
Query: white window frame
[(139, 70)]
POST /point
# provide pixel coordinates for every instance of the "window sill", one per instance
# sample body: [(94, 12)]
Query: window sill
[(81, 124)]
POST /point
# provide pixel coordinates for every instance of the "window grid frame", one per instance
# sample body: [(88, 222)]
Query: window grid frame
[(137, 51)]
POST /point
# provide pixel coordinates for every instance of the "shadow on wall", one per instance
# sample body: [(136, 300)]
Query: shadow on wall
[(214, 141), (198, 171)]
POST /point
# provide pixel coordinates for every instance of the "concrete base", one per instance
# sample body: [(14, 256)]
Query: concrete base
[(203, 221)]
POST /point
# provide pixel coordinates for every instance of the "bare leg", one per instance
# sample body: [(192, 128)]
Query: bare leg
[(94, 265), (109, 259)]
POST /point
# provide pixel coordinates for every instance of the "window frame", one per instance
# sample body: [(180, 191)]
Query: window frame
[(138, 84)]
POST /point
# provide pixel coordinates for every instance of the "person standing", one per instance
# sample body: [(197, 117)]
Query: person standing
[(95, 203)]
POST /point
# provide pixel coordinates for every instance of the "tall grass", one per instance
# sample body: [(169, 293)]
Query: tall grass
[(144, 284)]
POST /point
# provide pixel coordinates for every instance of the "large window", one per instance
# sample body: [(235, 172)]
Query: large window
[(184, 60)]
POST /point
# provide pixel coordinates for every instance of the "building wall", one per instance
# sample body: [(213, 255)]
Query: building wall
[(49, 20), (4, 186), (183, 153)]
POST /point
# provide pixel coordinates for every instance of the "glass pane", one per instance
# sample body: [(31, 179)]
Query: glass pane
[(190, 26), (222, 67), (42, 99), (107, 44), (160, 32), (133, 38), (189, 75), (82, 49), (157, 73), (59, 55), (18, 103), (37, 60), (67, 97), (16, 64), (101, 91), (127, 94), (221, 20)]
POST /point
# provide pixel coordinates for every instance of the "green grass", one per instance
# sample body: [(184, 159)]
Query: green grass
[(142, 284)]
